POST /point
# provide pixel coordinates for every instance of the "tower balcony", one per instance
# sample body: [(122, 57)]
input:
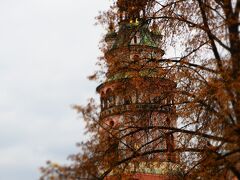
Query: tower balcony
[(136, 107), (148, 171)]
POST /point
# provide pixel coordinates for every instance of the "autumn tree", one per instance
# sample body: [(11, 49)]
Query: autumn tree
[(207, 96)]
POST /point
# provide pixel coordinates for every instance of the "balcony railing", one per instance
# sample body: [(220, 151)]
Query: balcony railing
[(119, 109)]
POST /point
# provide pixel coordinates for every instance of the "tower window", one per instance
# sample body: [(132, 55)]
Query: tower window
[(111, 101), (127, 100), (111, 123), (135, 39)]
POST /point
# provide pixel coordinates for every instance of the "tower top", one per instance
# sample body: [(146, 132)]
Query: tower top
[(132, 8), (126, 5), (134, 28)]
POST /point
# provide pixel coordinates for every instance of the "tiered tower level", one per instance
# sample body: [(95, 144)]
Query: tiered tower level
[(138, 92)]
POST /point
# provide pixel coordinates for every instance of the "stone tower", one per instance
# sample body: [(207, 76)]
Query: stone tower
[(138, 94)]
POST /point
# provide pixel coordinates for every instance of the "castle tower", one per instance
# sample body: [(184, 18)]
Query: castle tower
[(138, 93)]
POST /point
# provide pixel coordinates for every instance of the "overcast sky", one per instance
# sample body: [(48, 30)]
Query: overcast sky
[(47, 49)]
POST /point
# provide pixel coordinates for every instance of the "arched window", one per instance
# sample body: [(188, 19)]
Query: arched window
[(156, 100), (111, 123), (136, 39), (140, 97), (109, 98), (104, 102), (117, 100), (127, 100)]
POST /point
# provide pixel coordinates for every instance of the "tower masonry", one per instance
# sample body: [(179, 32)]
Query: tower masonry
[(137, 98)]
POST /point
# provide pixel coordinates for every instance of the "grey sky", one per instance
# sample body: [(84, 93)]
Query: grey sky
[(47, 49)]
